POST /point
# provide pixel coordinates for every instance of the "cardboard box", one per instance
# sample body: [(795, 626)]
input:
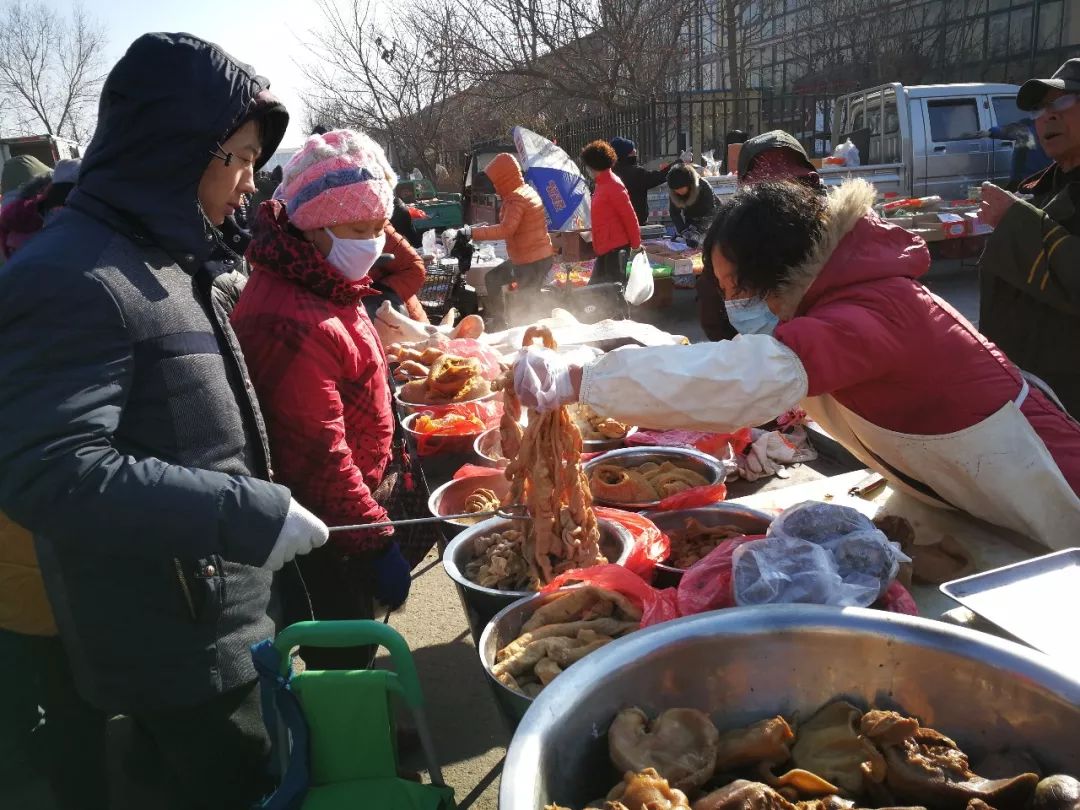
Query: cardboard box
[(663, 294), (573, 246)]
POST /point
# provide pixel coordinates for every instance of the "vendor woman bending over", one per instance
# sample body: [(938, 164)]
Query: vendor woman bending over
[(826, 297)]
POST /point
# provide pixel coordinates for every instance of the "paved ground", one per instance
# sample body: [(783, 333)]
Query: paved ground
[(470, 734)]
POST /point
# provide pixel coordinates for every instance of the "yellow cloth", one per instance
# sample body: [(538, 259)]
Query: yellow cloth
[(24, 606)]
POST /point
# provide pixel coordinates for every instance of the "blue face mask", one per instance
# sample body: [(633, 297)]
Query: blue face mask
[(751, 316)]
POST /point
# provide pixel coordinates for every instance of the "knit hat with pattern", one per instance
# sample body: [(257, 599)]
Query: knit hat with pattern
[(337, 177)]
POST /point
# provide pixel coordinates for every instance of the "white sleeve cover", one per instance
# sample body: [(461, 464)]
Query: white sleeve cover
[(718, 387)]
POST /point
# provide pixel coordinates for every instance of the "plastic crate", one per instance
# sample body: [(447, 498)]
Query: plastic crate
[(438, 290)]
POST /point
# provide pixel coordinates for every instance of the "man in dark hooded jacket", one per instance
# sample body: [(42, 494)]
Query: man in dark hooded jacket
[(131, 443), (637, 179)]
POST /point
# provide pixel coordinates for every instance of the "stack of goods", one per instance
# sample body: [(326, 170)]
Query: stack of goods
[(561, 632), (840, 758), (695, 540)]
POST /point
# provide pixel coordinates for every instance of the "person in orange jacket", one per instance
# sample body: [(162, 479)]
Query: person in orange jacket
[(615, 229), (523, 224)]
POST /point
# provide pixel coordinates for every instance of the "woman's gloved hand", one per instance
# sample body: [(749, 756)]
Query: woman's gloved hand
[(543, 380), (392, 577), (301, 532)]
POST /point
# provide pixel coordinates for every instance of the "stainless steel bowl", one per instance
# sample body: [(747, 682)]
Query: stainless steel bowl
[(481, 604), (750, 521), (487, 446), (746, 664), (500, 631), (449, 499), (415, 407), (703, 464)]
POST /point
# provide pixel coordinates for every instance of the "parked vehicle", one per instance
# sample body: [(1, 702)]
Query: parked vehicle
[(46, 148), (916, 141), (479, 200)]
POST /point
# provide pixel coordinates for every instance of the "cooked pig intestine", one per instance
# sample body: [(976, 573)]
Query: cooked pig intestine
[(545, 475), (565, 630), (642, 483), (481, 500)]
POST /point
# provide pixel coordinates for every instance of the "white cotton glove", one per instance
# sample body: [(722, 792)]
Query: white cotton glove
[(542, 379), (300, 533)]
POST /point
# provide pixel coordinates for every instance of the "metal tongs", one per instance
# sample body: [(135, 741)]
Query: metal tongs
[(514, 511)]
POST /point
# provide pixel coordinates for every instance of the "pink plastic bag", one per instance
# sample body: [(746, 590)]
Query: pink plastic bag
[(656, 605), (472, 470), (706, 585), (467, 347), (650, 544)]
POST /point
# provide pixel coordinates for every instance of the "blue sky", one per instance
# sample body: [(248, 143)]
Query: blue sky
[(268, 34)]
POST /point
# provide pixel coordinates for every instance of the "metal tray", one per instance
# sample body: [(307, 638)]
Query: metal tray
[(1037, 601)]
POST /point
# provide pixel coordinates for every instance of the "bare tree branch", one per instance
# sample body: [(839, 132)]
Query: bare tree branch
[(51, 68)]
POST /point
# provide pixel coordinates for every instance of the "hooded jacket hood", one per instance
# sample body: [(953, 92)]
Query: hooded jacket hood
[(19, 170), (856, 246), (777, 139), (505, 173), (694, 182), (166, 105)]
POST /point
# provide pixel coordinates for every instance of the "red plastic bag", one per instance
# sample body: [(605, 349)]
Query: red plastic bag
[(472, 470), (897, 599), (706, 585), (691, 498), (715, 444), (650, 544), (656, 605)]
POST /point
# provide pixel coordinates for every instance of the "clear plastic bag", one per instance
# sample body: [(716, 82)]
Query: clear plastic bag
[(639, 286), (861, 561), (849, 152), (787, 570)]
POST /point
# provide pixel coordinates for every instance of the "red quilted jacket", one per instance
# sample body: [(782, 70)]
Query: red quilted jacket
[(614, 223), (320, 377)]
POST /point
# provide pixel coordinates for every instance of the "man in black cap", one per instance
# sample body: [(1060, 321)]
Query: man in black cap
[(132, 443), (1030, 296), (770, 157)]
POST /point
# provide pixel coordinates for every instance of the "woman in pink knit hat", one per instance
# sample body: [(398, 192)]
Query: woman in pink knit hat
[(320, 373)]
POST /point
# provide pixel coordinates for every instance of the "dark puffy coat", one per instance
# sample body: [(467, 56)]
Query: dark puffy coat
[(1030, 292), (638, 181), (131, 443), (696, 209)]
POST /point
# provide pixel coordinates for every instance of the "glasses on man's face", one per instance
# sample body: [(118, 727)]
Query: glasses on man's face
[(228, 157), (1058, 105)]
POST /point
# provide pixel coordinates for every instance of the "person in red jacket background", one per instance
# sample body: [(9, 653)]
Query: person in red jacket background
[(615, 228), (320, 373)]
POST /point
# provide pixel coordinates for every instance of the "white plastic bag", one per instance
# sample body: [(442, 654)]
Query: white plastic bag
[(639, 286), (428, 241), (849, 152)]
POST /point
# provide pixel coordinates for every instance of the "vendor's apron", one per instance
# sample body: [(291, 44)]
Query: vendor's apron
[(998, 470)]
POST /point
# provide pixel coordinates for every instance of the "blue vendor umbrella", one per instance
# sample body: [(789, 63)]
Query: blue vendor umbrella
[(557, 180)]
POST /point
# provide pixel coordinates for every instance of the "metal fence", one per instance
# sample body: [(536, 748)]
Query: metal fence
[(665, 127)]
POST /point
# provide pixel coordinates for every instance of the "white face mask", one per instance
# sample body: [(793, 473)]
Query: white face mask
[(355, 257), (751, 316)]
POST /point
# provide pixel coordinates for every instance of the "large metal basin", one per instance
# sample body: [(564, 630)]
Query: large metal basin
[(481, 604), (500, 631), (702, 463), (746, 664), (751, 521)]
